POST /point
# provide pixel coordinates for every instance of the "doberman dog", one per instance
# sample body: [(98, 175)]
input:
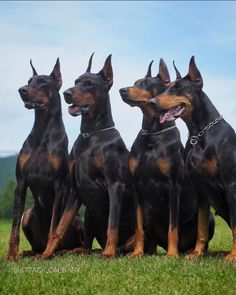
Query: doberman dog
[(42, 166), (98, 167), (209, 151), (167, 204)]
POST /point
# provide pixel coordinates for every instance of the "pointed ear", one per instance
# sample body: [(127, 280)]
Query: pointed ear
[(194, 75), (56, 74), (149, 71), (163, 74), (106, 72), (34, 71), (178, 75), (90, 63)]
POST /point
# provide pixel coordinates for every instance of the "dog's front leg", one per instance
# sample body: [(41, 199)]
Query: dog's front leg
[(19, 203), (115, 191), (173, 236), (202, 231), (56, 235)]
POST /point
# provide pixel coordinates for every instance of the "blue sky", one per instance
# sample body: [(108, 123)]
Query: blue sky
[(134, 32)]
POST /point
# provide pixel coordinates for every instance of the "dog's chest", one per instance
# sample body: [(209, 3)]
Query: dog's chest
[(203, 162), (39, 163)]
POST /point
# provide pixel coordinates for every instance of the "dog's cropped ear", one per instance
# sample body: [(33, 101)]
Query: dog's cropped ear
[(194, 75), (178, 75), (34, 71), (56, 74), (163, 74), (149, 71), (90, 63), (106, 72)]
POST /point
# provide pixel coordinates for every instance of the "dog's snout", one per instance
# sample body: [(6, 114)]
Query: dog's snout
[(23, 92), (67, 95), (123, 91)]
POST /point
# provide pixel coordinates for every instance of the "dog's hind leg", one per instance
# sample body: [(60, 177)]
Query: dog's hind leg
[(231, 199), (34, 233)]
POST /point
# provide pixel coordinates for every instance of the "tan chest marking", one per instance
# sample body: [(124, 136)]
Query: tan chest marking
[(70, 165), (133, 164), (210, 166), (23, 158), (163, 165), (98, 161), (55, 161)]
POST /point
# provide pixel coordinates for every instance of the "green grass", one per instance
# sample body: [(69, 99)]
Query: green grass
[(96, 275)]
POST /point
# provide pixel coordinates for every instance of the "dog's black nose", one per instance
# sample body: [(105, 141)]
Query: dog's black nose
[(67, 95), (123, 91), (23, 92)]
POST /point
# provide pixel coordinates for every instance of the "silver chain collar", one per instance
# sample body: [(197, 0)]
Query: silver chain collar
[(194, 139), (89, 134), (145, 132)]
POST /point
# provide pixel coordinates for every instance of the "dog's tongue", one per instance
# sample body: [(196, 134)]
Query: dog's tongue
[(74, 110), (172, 114)]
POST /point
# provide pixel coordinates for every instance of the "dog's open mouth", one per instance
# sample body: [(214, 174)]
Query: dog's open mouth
[(77, 110), (172, 114), (34, 105)]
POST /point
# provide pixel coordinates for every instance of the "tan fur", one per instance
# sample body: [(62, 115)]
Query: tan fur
[(133, 163), (55, 161), (137, 94), (163, 165), (210, 166), (23, 158), (98, 161), (70, 165), (139, 235)]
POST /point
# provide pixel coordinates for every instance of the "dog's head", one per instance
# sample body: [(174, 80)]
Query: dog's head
[(144, 89), (39, 93), (181, 97), (90, 91)]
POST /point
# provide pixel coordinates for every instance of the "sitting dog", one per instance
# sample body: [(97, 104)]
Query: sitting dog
[(167, 205), (209, 151), (98, 168), (42, 166)]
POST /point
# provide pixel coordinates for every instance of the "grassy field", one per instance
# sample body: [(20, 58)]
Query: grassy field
[(96, 275)]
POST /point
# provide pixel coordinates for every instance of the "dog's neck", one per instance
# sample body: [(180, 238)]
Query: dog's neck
[(202, 115), (102, 118), (47, 121)]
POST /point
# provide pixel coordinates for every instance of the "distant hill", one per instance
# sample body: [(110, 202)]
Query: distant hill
[(7, 170)]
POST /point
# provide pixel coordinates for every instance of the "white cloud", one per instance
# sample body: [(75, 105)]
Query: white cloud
[(73, 31)]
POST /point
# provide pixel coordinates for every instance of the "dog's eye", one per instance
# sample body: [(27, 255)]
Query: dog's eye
[(147, 83), (176, 86), (42, 81), (87, 83)]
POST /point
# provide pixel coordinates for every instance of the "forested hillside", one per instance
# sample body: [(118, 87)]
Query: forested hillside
[(7, 170)]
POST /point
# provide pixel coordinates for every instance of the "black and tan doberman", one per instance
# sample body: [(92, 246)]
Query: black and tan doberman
[(209, 151), (167, 204), (42, 166), (99, 168)]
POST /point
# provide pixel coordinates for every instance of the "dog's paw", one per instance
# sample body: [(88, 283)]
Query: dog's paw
[(80, 251), (27, 253), (231, 257), (137, 253), (172, 255), (12, 257), (194, 255), (109, 253)]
